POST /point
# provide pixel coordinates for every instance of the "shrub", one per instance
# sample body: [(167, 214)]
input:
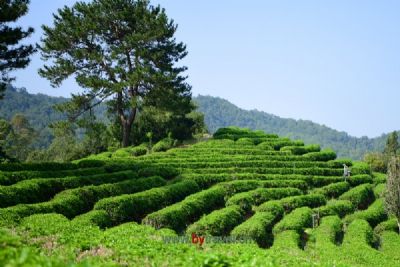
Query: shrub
[(358, 234), (90, 163), (297, 220), (94, 217), (328, 231), (259, 226), (379, 177), (360, 168), (206, 180), (76, 201), (310, 200), (379, 190), (360, 179), (33, 166), (139, 150), (335, 207), (389, 225), (44, 224), (286, 241), (245, 142), (163, 171), (9, 178), (136, 206), (265, 146), (177, 216), (122, 153), (324, 155), (291, 203), (373, 215), (163, 145), (333, 190), (360, 196), (219, 222), (255, 197), (318, 181), (38, 190), (300, 150)]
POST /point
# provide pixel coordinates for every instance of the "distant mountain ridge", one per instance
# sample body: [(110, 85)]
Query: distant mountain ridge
[(221, 113), (218, 113)]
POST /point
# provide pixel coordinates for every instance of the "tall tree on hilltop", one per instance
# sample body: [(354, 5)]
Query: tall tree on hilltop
[(392, 144), (12, 55), (392, 196), (120, 51)]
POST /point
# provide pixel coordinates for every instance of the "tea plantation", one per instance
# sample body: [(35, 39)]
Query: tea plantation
[(256, 199)]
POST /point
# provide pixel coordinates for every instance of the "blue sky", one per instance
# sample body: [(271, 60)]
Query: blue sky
[(333, 62)]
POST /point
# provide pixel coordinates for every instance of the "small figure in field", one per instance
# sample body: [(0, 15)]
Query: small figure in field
[(346, 171)]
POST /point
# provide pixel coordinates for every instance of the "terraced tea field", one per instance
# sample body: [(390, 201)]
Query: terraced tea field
[(271, 200)]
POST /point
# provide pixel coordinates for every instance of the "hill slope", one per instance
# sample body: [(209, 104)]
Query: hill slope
[(256, 200), (221, 113), (218, 113)]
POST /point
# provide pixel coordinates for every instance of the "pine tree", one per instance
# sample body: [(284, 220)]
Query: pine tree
[(123, 50), (12, 55), (392, 196)]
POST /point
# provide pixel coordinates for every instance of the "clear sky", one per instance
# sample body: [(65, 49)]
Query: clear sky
[(333, 62)]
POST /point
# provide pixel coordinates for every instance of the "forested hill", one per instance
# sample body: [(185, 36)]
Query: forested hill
[(221, 113), (218, 113)]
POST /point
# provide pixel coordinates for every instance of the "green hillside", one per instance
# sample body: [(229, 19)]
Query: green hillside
[(218, 113), (242, 198), (221, 113)]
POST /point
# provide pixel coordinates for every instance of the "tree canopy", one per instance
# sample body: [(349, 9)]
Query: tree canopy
[(12, 55), (120, 51)]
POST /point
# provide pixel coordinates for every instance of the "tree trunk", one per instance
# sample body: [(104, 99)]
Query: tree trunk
[(398, 225), (126, 132)]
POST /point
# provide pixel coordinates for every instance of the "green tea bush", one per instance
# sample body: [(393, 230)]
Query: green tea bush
[(287, 241), (360, 168), (89, 163), (297, 220), (42, 166), (333, 190), (219, 222), (163, 145), (318, 181), (177, 216), (245, 142), (324, 155), (79, 200), (379, 177), (163, 171), (373, 215), (335, 207), (291, 203), (358, 234), (360, 196), (255, 197), (389, 225), (94, 217), (259, 226), (300, 150), (38, 190), (274, 180), (310, 200), (328, 232), (44, 224), (265, 146), (379, 190), (134, 207), (9, 178)]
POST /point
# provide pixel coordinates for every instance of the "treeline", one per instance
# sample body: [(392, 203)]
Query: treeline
[(221, 113)]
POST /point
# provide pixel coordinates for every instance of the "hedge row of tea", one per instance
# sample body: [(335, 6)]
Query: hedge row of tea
[(280, 202)]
